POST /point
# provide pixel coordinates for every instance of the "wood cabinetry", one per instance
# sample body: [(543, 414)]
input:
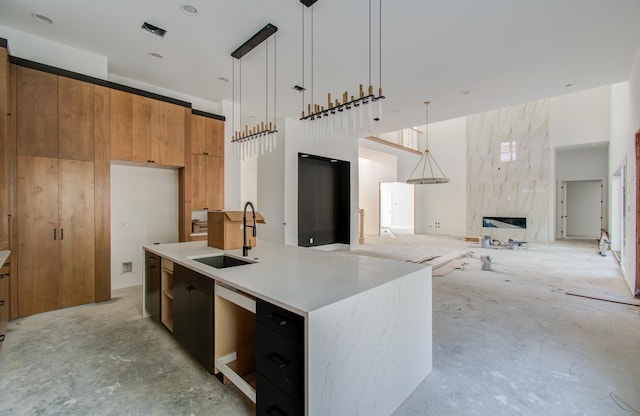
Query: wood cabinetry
[(4, 300), (207, 136), (207, 163), (5, 151), (193, 313), (56, 239), (146, 130), (207, 182), (54, 116)]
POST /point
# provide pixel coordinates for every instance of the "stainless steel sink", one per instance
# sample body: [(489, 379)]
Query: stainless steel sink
[(222, 261)]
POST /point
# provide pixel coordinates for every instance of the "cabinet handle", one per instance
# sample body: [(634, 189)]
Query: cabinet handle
[(1, 303), (55, 234), (281, 320), (152, 258), (2, 276), (2, 338), (61, 233), (278, 360), (275, 411)]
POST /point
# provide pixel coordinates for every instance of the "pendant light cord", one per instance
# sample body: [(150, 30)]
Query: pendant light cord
[(275, 77), (369, 42)]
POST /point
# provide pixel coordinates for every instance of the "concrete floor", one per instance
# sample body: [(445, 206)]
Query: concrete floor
[(506, 342)]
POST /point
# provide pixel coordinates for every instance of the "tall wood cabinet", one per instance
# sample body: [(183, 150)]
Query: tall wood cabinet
[(207, 163), (54, 116), (5, 151), (146, 130), (56, 246)]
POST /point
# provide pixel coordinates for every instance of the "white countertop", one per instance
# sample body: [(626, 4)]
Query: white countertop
[(4, 255), (299, 279)]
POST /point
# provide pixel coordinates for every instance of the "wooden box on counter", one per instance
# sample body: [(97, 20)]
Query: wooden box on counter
[(225, 229)]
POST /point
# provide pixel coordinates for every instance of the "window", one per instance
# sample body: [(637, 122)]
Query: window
[(508, 151)]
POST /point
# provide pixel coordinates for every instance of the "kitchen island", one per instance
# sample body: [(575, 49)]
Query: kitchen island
[(364, 325)]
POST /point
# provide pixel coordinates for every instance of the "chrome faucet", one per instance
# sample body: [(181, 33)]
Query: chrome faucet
[(246, 247)]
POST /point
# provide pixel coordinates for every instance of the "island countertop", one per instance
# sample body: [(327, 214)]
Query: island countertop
[(299, 279)]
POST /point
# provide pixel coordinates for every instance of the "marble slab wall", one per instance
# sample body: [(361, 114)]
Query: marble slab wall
[(517, 186)]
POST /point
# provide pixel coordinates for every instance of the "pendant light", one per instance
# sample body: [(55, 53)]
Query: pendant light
[(428, 177)]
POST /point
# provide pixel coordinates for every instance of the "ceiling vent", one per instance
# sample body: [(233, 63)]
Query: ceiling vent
[(158, 31)]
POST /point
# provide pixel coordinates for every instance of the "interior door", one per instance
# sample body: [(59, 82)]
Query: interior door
[(37, 234), (77, 236)]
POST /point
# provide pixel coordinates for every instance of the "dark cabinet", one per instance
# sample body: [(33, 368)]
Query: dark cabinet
[(153, 272), (279, 361), (193, 313)]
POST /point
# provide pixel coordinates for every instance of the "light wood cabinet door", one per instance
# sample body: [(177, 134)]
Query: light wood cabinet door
[(36, 113), (77, 236), (167, 133), (207, 183), (75, 120), (199, 182), (207, 136), (38, 288), (6, 158), (215, 183), (130, 122)]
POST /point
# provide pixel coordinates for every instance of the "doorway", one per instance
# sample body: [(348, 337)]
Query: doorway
[(618, 217), (581, 208), (397, 208)]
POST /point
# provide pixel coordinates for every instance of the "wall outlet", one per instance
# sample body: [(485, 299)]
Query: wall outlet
[(127, 267), (310, 240)]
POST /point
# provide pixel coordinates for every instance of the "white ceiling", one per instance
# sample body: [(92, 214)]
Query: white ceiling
[(503, 51)]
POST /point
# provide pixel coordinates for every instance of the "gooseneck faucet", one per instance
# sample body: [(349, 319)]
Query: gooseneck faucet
[(246, 247)]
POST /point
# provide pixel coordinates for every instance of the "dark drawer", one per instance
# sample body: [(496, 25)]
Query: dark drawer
[(280, 360), (282, 321), (271, 401), (198, 281), (153, 259)]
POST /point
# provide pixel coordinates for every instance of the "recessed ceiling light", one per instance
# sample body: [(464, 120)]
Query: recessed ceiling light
[(189, 9), (42, 18), (223, 79), (155, 55), (464, 92), (154, 30)]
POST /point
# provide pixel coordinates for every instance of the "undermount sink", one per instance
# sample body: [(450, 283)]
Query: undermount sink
[(222, 261)]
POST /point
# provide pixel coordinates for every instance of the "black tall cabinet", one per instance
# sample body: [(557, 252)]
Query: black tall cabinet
[(193, 313), (153, 272)]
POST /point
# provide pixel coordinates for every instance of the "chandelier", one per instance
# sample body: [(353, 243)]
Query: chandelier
[(348, 112), (428, 177), (259, 138)]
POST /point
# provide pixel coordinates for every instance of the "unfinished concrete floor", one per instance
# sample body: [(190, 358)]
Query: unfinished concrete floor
[(506, 342)]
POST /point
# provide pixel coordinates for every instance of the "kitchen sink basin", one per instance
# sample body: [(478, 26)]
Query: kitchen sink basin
[(222, 261)]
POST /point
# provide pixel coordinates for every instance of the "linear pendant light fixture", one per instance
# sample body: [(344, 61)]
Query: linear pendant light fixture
[(427, 159), (353, 111), (260, 138)]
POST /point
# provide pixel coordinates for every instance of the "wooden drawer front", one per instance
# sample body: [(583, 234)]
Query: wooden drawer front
[(280, 320), (281, 360), (271, 401)]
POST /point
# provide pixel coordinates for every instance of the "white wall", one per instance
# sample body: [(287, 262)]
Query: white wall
[(625, 123), (34, 48), (271, 191), (374, 168), (144, 210), (589, 161), (574, 119), (442, 208), (278, 179)]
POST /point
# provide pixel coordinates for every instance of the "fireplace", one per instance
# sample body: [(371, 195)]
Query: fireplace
[(518, 223)]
